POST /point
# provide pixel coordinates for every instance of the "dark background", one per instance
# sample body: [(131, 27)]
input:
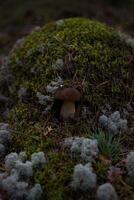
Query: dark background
[(18, 17)]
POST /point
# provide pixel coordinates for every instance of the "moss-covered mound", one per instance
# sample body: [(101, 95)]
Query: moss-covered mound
[(95, 60), (82, 54)]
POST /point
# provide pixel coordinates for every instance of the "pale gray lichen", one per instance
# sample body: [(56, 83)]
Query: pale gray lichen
[(35, 192), (18, 194), (68, 142), (125, 114), (113, 123), (36, 28), (16, 181), (2, 150), (22, 156), (20, 190), (83, 178), (127, 38), (122, 124), (39, 49), (18, 43), (112, 128), (130, 165), (85, 112), (38, 160), (22, 93), (37, 69), (115, 116), (89, 149), (4, 126), (10, 182), (103, 120), (106, 192), (76, 146), (10, 160), (54, 85), (60, 22), (43, 99), (89, 166), (47, 109), (24, 170), (58, 65), (22, 185), (85, 148), (5, 136), (2, 176)]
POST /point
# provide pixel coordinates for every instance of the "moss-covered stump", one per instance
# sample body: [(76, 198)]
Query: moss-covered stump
[(82, 54)]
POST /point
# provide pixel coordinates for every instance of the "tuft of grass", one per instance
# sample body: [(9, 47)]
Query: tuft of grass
[(108, 145)]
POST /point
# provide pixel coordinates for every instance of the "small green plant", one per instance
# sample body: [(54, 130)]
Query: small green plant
[(108, 145)]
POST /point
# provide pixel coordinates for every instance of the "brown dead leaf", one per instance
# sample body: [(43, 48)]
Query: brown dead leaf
[(114, 174), (104, 160), (47, 131)]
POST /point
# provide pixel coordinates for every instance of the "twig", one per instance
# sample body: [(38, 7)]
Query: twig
[(101, 84)]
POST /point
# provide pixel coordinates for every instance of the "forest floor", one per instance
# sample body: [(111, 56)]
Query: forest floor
[(18, 18)]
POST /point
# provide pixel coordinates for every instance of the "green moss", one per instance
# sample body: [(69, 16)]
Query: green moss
[(102, 170), (96, 61), (97, 56), (29, 136), (56, 176)]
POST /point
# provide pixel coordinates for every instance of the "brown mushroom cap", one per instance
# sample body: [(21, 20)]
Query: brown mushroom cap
[(68, 94)]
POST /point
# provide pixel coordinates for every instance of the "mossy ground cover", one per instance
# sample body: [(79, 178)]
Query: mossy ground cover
[(96, 62)]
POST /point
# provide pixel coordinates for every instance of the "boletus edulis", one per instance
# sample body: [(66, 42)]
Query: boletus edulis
[(69, 96)]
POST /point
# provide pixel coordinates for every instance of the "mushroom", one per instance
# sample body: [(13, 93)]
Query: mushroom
[(69, 96)]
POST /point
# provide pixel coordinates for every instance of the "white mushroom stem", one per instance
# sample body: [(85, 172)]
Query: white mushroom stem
[(67, 109)]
